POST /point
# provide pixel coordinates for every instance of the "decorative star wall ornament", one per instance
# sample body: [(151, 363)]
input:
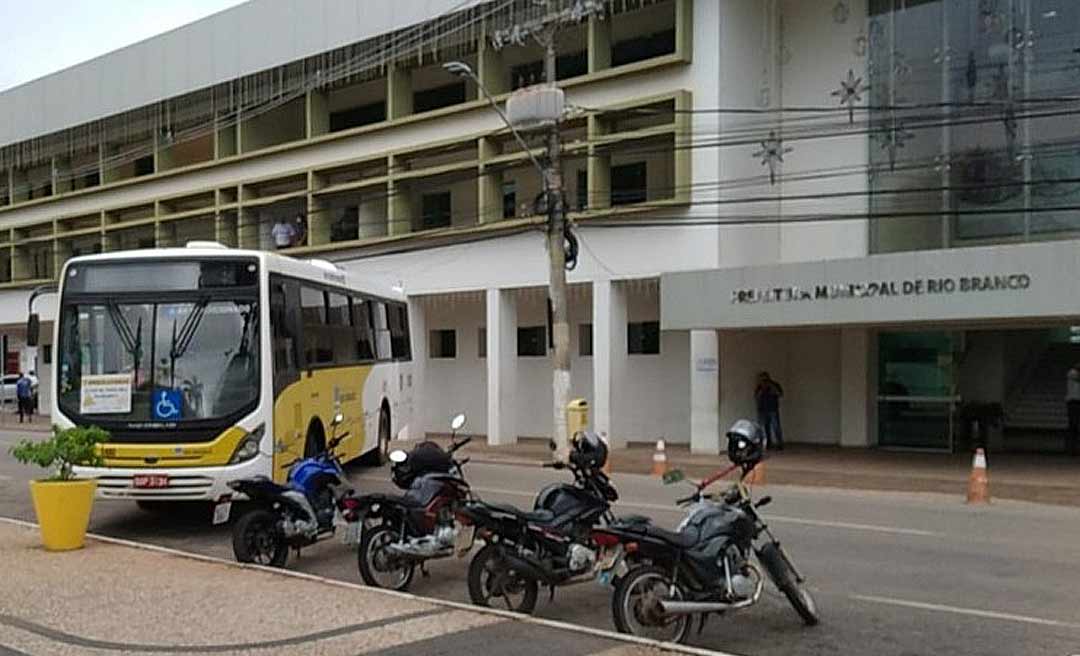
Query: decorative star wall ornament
[(772, 154), (840, 12), (892, 140), (850, 92)]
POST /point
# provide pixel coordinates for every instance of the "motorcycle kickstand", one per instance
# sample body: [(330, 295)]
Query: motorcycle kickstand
[(423, 570), (701, 623), (552, 597)]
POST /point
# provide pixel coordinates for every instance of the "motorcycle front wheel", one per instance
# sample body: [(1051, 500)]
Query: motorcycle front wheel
[(783, 576), (635, 606), (378, 567), (258, 539), (492, 582)]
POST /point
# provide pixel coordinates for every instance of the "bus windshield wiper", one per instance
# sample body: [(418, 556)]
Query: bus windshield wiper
[(182, 340), (132, 342)]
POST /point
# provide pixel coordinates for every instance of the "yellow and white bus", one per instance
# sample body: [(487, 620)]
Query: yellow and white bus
[(207, 364)]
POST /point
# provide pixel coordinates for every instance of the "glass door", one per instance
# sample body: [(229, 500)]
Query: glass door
[(917, 389)]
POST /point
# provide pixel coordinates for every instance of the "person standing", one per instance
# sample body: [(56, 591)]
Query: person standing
[(767, 394), (1072, 407), (24, 396), (284, 233)]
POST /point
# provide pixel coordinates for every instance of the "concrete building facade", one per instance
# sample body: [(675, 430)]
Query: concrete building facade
[(720, 157)]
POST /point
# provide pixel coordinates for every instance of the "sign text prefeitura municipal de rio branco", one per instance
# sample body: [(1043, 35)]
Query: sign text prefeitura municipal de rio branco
[(883, 289)]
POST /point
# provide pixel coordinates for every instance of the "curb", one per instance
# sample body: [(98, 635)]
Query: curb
[(516, 617)]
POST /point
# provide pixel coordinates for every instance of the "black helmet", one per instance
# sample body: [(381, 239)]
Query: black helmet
[(589, 450), (426, 458), (746, 443)]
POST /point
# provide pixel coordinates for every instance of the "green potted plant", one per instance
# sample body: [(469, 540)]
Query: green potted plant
[(62, 502)]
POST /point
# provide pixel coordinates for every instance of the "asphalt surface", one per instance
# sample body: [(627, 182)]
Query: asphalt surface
[(892, 573)]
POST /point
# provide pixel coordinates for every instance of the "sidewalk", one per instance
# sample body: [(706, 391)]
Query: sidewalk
[(110, 598), (9, 420), (1038, 478)]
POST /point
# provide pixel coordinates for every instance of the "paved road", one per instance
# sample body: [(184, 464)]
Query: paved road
[(894, 574)]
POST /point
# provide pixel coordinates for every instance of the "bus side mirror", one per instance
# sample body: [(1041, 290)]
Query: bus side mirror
[(33, 329)]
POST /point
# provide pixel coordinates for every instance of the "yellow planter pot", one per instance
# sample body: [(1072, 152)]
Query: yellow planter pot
[(63, 512)]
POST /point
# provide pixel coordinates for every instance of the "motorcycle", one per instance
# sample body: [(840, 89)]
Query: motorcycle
[(306, 509), (665, 578), (403, 532), (549, 545)]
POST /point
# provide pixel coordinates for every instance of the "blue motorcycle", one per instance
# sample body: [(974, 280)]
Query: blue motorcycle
[(315, 497)]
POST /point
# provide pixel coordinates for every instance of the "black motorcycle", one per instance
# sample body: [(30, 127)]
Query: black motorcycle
[(304, 510), (549, 545), (665, 578), (403, 532)]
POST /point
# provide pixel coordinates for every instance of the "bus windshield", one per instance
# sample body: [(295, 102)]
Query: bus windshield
[(150, 362)]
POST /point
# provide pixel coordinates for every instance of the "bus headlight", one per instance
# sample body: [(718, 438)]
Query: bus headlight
[(249, 446)]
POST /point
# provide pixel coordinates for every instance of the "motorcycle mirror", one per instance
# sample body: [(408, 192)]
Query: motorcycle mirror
[(398, 456), (339, 419), (764, 501), (673, 476), (457, 422)]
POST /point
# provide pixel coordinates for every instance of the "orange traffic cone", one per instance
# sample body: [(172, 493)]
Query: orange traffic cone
[(756, 475), (978, 483), (659, 459)]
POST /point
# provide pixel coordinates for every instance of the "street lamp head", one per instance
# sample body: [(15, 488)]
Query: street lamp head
[(460, 69)]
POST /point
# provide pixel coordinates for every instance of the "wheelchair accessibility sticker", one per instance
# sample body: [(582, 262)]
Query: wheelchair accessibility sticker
[(167, 404)]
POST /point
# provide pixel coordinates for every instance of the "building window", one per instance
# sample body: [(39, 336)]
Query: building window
[(481, 343), (354, 117), (443, 344), (584, 338), (628, 183), (444, 96), (571, 64), (532, 341), (435, 210), (582, 190), (643, 47), (144, 165), (643, 338), (509, 199)]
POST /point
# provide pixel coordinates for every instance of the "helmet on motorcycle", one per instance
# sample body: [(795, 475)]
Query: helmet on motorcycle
[(746, 443), (589, 450)]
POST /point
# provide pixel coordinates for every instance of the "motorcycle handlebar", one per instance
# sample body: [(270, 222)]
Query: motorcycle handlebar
[(454, 446)]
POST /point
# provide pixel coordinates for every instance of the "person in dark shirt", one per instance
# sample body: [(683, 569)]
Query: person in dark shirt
[(24, 390), (767, 394)]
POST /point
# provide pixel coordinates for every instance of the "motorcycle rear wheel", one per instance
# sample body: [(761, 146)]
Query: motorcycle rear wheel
[(258, 539), (635, 610), (491, 579), (378, 567)]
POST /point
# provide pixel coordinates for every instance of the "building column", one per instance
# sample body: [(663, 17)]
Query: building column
[(399, 95), (501, 366), (858, 402), (609, 356), (316, 113), (418, 341), (705, 392)]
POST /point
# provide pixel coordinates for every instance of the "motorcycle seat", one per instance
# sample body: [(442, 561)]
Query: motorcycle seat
[(624, 520), (537, 516), (390, 499)]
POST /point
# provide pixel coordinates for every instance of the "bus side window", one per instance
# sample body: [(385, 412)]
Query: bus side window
[(318, 343), (382, 330), (283, 327), (340, 328), (363, 332), (399, 330)]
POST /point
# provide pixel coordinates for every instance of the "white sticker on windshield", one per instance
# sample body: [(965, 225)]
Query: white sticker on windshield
[(105, 394)]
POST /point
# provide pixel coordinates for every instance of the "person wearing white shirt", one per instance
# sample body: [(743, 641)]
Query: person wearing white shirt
[(284, 233), (1072, 405)]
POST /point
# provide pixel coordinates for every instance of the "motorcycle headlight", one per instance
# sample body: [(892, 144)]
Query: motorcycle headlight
[(248, 447)]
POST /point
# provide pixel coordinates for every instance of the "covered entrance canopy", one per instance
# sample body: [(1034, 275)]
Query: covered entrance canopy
[(925, 342)]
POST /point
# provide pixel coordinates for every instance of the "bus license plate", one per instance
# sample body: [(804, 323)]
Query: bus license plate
[(144, 481), (222, 512)]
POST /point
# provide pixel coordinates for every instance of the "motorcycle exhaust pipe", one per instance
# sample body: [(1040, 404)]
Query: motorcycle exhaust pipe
[(529, 568), (673, 607)]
